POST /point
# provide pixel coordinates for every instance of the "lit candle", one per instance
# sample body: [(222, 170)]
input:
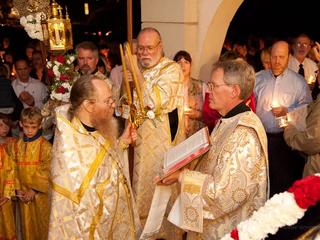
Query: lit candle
[(275, 104), (311, 80), (186, 108), (57, 34), (134, 76)]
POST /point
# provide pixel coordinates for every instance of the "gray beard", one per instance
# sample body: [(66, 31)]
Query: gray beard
[(108, 128), (85, 70)]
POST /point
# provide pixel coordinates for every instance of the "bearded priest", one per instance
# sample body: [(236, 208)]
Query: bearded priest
[(91, 194)]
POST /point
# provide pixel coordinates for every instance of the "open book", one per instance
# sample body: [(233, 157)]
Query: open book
[(186, 151)]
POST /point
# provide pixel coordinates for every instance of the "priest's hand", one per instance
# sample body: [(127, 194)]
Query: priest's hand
[(193, 114), (129, 135), (279, 111), (171, 179)]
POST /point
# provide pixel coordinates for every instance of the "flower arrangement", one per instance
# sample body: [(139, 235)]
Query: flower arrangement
[(61, 69), (32, 25), (281, 210)]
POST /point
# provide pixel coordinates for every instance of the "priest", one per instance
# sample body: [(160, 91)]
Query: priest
[(230, 181), (91, 194)]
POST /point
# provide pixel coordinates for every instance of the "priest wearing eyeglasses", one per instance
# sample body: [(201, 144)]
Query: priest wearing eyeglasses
[(230, 181), (91, 192), (161, 81)]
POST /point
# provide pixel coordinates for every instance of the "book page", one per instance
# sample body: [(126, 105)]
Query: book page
[(297, 117), (198, 140)]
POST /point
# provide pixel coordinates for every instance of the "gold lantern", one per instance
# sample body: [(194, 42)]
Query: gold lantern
[(68, 30), (60, 29)]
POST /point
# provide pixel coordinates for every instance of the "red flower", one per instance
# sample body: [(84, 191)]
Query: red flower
[(60, 89), (234, 234), (306, 191), (60, 59), (50, 73), (64, 77)]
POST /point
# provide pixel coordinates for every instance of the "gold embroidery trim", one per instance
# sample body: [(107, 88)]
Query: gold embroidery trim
[(191, 188), (31, 163), (125, 183), (165, 67), (116, 209), (98, 215), (158, 99), (66, 121), (77, 195)]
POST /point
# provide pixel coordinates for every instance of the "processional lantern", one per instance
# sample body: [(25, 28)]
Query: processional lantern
[(59, 37)]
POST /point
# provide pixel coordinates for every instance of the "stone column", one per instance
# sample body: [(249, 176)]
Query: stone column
[(197, 26)]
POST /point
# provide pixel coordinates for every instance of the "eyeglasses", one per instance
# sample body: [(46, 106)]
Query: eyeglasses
[(305, 45), (212, 85), (148, 49)]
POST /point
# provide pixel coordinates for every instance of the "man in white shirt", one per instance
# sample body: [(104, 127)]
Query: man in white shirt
[(30, 91), (299, 62)]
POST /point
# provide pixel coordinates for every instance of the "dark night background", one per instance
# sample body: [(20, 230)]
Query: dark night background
[(276, 18), (264, 18)]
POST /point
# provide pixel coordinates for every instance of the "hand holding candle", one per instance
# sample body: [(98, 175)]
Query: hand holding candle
[(282, 121), (279, 111)]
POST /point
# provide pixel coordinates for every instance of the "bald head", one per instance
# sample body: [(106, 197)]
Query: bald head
[(279, 57), (152, 31)]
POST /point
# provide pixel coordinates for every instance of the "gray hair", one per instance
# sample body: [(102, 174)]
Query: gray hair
[(87, 45), (150, 29), (237, 72)]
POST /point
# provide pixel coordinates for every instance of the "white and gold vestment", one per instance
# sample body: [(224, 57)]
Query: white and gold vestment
[(91, 197), (163, 93), (228, 183)]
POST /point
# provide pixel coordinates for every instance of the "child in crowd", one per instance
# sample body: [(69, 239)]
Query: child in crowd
[(33, 156), (7, 224)]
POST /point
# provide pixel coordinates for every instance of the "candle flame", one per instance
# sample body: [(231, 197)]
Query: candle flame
[(275, 104), (186, 109), (311, 80)]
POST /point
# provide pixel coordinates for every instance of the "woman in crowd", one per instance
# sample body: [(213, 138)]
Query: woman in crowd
[(193, 94)]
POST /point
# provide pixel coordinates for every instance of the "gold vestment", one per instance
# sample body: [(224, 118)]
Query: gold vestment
[(162, 92), (91, 197), (33, 162), (7, 224), (230, 182)]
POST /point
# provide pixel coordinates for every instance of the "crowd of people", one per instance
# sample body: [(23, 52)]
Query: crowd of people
[(84, 181)]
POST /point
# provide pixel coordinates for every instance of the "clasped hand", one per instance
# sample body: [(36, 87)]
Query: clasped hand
[(27, 196), (279, 111), (26, 98)]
